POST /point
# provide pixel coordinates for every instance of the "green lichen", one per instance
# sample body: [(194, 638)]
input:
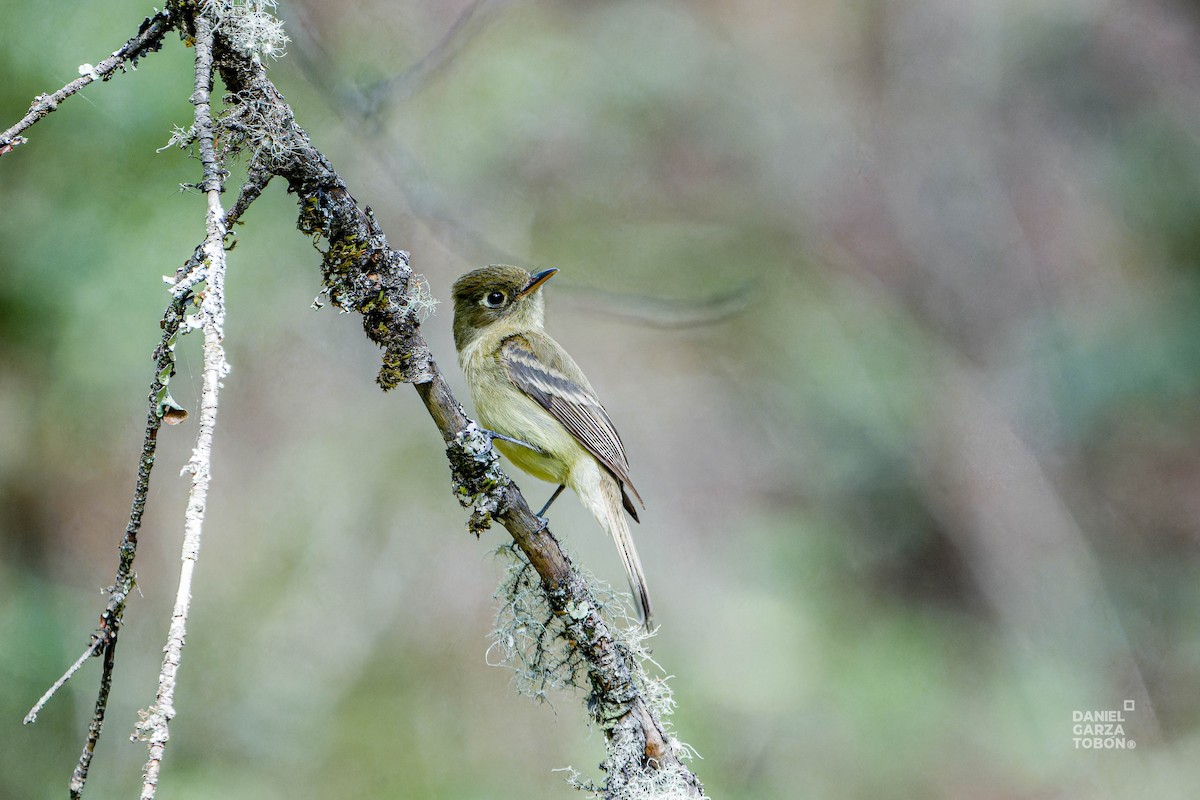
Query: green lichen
[(479, 483)]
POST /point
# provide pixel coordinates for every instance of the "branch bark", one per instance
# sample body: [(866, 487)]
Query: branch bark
[(364, 274), (209, 267), (148, 39), (104, 640)]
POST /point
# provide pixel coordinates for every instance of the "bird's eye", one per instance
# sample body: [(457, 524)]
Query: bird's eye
[(494, 299)]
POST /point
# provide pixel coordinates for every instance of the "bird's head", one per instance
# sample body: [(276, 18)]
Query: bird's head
[(498, 295)]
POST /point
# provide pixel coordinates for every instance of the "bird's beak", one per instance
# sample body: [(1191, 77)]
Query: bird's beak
[(536, 280)]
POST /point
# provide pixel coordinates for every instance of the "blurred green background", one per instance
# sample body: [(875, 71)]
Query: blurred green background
[(897, 307)]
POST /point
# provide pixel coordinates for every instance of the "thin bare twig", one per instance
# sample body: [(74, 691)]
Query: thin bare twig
[(211, 265), (80, 773), (97, 641), (257, 178), (161, 408), (147, 40), (104, 640)]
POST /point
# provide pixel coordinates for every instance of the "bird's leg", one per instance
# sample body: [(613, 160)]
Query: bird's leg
[(541, 514), (501, 436), (553, 497)]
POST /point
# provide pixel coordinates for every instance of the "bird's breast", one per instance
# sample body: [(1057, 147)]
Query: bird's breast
[(504, 408)]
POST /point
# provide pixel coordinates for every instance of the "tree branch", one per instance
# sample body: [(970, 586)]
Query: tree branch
[(104, 640), (363, 274), (31, 717), (162, 408), (147, 40), (211, 268)]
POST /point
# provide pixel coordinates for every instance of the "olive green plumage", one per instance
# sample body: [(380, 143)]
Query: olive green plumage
[(527, 387)]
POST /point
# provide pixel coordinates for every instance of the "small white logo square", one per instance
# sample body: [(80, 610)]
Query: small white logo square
[(1129, 705)]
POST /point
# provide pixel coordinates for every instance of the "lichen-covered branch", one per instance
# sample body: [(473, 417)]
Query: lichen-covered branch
[(362, 273), (148, 39), (104, 640), (209, 267)]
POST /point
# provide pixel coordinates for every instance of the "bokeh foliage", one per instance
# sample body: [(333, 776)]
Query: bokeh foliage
[(921, 471)]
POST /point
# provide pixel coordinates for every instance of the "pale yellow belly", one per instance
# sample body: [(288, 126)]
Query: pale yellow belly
[(505, 409)]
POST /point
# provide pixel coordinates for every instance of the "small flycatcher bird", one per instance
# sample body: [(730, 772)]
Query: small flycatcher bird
[(528, 390)]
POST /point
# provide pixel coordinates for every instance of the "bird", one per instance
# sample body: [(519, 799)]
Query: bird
[(539, 406)]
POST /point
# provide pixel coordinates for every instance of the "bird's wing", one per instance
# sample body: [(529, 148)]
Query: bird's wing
[(542, 369)]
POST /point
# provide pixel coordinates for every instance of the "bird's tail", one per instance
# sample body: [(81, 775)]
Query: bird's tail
[(603, 498)]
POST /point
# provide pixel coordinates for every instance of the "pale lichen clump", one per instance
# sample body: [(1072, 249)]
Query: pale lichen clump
[(420, 297), (528, 638), (183, 138), (250, 28), (248, 123), (671, 783), (532, 641), (251, 123)]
